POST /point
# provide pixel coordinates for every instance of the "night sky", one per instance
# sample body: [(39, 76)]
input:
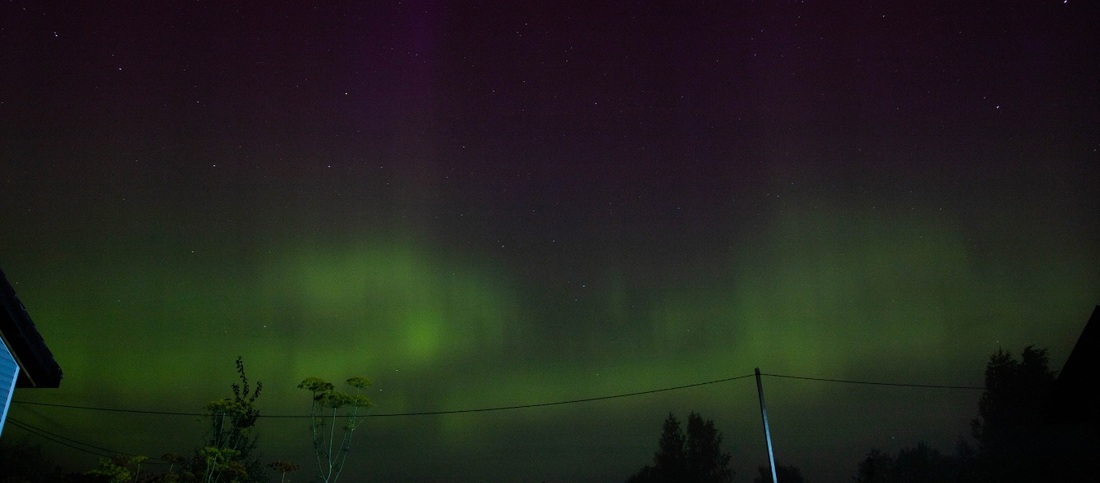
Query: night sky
[(480, 206)]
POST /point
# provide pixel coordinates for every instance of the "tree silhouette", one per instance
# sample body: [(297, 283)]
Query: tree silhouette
[(705, 460), (784, 474), (919, 464), (670, 459), (1016, 442), (877, 467), (692, 457), (1011, 407)]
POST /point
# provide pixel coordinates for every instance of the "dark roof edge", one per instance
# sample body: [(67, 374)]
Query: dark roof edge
[(1072, 397), (38, 368)]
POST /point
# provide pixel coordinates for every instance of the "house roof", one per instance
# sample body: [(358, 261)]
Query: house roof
[(1073, 397), (37, 367)]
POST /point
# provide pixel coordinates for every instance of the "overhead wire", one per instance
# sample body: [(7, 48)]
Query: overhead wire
[(873, 383), (521, 406), (106, 453), (404, 414), (112, 410), (56, 438), (545, 404)]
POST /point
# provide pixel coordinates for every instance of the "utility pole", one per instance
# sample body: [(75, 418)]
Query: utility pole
[(767, 430)]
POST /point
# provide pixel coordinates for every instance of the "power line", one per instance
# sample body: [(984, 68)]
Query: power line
[(405, 414), (873, 383), (74, 443), (113, 410), (545, 404), (103, 452), (77, 445), (56, 438), (521, 406)]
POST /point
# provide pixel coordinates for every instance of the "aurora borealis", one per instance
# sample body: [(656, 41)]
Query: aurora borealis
[(479, 205)]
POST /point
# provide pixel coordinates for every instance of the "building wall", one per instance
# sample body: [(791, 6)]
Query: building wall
[(9, 371)]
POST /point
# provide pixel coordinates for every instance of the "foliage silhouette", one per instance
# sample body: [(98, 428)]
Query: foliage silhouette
[(226, 454), (324, 411), (23, 462), (284, 467), (119, 469)]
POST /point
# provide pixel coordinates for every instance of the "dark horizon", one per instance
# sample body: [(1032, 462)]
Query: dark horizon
[(745, 470)]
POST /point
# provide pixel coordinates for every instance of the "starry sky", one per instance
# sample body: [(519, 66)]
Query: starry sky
[(478, 205)]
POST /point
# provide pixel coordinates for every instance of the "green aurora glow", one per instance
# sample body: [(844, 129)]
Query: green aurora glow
[(520, 207), (814, 293)]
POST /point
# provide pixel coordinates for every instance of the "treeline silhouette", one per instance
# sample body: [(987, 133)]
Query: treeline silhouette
[(1015, 440), (1015, 437)]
